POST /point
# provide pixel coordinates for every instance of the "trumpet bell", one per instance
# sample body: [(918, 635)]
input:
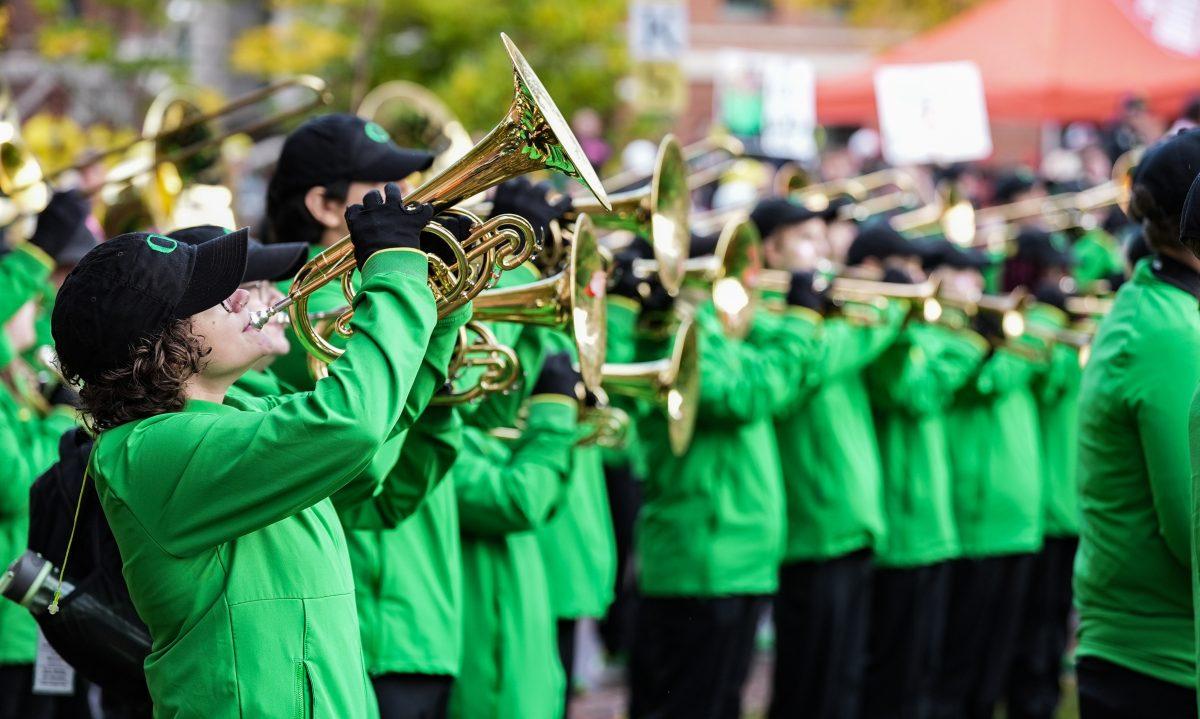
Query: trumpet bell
[(21, 181), (672, 384), (573, 301), (739, 263)]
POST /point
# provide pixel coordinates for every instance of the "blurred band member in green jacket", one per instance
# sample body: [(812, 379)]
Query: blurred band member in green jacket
[(30, 425), (831, 475), (710, 535), (1133, 570), (232, 555), (1033, 686), (912, 385)]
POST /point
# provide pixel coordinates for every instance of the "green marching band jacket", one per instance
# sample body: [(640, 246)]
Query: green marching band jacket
[(577, 544), (1056, 391), (28, 446), (233, 552), (505, 493), (827, 443), (1133, 571), (912, 385), (713, 519)]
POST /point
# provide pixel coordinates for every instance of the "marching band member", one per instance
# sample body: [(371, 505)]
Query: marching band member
[(831, 472), (1133, 572), (711, 534), (510, 668), (912, 385), (232, 555)]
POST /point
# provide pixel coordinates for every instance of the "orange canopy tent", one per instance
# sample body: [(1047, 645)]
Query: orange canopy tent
[(1041, 60)]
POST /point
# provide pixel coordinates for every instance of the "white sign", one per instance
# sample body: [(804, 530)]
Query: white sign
[(658, 31), (932, 113), (51, 673), (771, 96), (789, 93)]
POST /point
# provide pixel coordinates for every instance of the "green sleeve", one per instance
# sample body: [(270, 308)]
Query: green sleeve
[(741, 381), (519, 494), (429, 450), (847, 346), (1004, 372), (622, 329), (433, 372), (18, 475), (1160, 410), (195, 480), (23, 274)]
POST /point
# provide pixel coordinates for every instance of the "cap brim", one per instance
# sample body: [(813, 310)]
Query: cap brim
[(218, 270), (390, 164), (275, 262)]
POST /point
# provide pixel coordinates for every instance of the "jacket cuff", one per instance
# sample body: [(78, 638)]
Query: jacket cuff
[(404, 260)]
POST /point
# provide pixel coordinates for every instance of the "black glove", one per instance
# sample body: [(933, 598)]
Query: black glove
[(990, 325), (385, 222), (1051, 293), (558, 376), (802, 293), (58, 223), (458, 225), (897, 276), (520, 197), (622, 282)]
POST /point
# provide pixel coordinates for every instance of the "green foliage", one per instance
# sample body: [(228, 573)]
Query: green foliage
[(453, 47), (912, 14)]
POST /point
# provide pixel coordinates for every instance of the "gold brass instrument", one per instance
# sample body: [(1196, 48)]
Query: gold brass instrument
[(706, 160), (728, 274), (1089, 305), (532, 136), (843, 290), (572, 301), (672, 384), (601, 425), (952, 216), (23, 192), (1009, 307), (478, 351), (415, 117), (657, 212)]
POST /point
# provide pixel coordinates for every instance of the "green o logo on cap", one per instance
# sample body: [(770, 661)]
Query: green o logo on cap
[(376, 133), (158, 243)]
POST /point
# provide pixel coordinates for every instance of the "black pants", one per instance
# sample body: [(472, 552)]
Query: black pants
[(624, 501), (17, 700), (1033, 685), (821, 616), (566, 657), (904, 649), (1109, 691), (412, 696), (691, 656), (987, 597)]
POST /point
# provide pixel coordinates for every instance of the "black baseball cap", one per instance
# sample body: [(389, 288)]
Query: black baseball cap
[(1041, 248), (131, 287), (774, 213), (880, 240), (272, 263), (341, 148), (1013, 183), (941, 252), (1168, 169)]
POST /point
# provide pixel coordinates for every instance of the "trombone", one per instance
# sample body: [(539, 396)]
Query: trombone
[(705, 161), (532, 136), (657, 212), (572, 301), (857, 291), (603, 426), (672, 384), (1009, 307)]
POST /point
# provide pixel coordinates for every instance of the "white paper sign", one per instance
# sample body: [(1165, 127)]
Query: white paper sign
[(932, 113), (789, 108), (51, 673), (658, 31)]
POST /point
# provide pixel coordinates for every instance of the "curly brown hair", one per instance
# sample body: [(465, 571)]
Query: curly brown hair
[(150, 384)]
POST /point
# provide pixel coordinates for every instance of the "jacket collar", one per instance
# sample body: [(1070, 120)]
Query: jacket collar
[(1177, 274)]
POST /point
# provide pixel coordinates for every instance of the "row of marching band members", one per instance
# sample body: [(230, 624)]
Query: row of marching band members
[(314, 521)]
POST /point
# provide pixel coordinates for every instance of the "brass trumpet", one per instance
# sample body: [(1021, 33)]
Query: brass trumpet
[(532, 136), (657, 212), (1089, 305), (854, 290), (706, 160), (672, 384), (1009, 307), (572, 301), (497, 365)]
